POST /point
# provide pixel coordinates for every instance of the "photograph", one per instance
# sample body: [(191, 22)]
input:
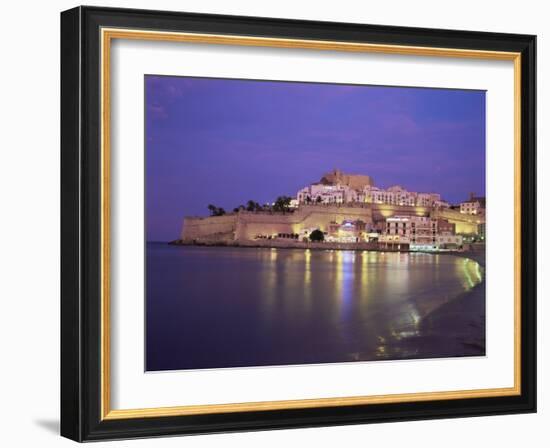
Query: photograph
[(290, 220), (295, 223)]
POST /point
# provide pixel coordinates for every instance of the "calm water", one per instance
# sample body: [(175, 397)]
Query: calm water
[(211, 307)]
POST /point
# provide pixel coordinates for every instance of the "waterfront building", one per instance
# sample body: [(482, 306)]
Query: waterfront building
[(446, 237), (423, 232), (420, 233), (449, 241), (348, 232), (398, 225), (445, 227), (396, 234), (394, 242)]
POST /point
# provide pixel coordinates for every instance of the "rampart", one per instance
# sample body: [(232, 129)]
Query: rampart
[(464, 223), (246, 226), (249, 225), (212, 228)]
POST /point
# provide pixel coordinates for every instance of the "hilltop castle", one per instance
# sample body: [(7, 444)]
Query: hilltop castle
[(353, 181), (337, 187), (338, 204)]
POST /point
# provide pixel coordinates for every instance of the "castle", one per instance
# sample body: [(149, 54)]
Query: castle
[(355, 181), (345, 207), (337, 188)]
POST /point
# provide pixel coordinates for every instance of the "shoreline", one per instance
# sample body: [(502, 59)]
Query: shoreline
[(459, 323), (456, 325), (476, 255)]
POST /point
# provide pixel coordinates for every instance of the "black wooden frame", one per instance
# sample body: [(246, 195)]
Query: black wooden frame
[(80, 223)]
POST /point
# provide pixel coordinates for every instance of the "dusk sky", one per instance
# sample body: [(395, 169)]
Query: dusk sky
[(223, 142)]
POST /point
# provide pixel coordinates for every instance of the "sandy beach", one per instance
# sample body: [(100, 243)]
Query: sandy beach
[(457, 326)]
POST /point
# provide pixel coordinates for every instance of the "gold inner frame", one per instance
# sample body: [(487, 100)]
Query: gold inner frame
[(107, 35)]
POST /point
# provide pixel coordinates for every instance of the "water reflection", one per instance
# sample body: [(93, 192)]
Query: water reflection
[(226, 307)]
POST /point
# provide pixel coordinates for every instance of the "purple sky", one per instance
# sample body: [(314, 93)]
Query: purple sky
[(222, 142)]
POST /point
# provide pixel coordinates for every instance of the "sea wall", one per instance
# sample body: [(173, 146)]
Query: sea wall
[(286, 244), (212, 228)]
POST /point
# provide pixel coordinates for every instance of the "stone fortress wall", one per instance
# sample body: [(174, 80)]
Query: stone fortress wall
[(212, 228), (464, 223), (250, 224), (245, 226)]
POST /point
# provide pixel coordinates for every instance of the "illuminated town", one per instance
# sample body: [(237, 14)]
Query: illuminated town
[(346, 211), (312, 223)]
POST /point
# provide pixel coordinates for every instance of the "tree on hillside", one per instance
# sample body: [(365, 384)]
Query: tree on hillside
[(253, 206), (282, 204), (317, 236), (216, 211)]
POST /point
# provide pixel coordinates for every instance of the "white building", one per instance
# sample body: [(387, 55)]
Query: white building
[(395, 195), (325, 194), (448, 241), (294, 203), (400, 196), (348, 231), (473, 206), (427, 199), (399, 242), (470, 207)]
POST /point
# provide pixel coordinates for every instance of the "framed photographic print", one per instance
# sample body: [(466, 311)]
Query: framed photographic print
[(274, 223)]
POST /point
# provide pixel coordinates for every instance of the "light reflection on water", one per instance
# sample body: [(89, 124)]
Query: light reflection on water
[(228, 307)]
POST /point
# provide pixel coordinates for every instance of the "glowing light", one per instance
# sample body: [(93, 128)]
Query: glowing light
[(478, 272), (307, 272), (468, 268), (364, 270)]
